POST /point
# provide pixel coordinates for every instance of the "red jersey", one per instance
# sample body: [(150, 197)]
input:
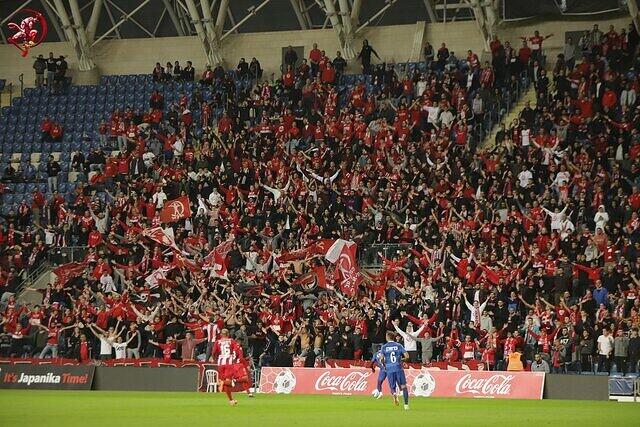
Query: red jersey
[(228, 351)]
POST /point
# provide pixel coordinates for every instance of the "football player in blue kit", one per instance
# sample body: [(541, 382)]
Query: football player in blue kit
[(393, 354)]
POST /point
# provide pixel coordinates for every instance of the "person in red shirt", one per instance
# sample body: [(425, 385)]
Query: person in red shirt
[(45, 129), (53, 337), (168, 348), (231, 366), (56, 132), (524, 54), (314, 58)]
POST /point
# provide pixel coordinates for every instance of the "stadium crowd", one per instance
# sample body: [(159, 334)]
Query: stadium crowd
[(527, 245)]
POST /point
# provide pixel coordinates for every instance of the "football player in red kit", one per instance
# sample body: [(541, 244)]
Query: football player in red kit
[(231, 369)]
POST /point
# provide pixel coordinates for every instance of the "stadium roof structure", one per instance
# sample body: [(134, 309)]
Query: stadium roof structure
[(85, 23)]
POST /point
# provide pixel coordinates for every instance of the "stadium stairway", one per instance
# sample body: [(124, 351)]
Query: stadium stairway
[(528, 96)]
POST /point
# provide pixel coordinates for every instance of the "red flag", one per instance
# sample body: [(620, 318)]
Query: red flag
[(167, 283), (69, 271), (175, 210), (311, 280), (158, 274), (319, 247), (179, 261), (216, 261), (157, 234), (349, 270)]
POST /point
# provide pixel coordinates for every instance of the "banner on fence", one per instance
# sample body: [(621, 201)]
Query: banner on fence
[(421, 382), (46, 377)]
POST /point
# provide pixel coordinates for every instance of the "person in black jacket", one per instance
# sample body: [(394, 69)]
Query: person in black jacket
[(365, 56), (332, 343), (188, 72)]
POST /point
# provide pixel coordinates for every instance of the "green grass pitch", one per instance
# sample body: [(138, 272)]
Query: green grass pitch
[(92, 409)]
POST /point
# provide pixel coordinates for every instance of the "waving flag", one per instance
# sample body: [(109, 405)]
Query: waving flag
[(175, 210), (66, 272), (343, 254), (319, 247), (158, 234), (180, 261), (157, 275), (216, 261), (312, 280)]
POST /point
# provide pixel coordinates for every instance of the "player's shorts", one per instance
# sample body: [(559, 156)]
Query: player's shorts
[(231, 372), (396, 379)]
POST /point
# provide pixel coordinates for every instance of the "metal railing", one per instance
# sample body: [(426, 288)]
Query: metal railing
[(63, 255), (33, 274), (369, 254)]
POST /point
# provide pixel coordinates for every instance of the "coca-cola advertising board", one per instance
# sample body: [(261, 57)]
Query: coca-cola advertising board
[(421, 382)]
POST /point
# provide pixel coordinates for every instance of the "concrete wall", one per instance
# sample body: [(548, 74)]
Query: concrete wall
[(140, 55), (395, 43)]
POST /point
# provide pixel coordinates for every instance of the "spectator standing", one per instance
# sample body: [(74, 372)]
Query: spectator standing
[(255, 69), (365, 56), (290, 58), (428, 53), (188, 72), (539, 364), (53, 169), (605, 348), (51, 70), (40, 66), (569, 53), (339, 64), (634, 351), (621, 351), (314, 59)]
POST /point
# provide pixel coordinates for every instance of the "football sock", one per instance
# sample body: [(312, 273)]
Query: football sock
[(405, 395), (228, 394)]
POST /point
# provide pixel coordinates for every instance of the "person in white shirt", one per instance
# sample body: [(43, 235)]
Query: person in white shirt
[(215, 199), (107, 284), (447, 118), (601, 217), (566, 228), (106, 338), (148, 158), (178, 147), (526, 178), (159, 197), (605, 347), (628, 97), (525, 137), (410, 338), (476, 309), (120, 347), (556, 217)]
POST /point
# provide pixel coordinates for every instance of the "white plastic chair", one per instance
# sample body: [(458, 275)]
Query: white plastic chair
[(211, 376)]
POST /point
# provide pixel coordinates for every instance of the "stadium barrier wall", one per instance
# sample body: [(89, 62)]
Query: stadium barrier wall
[(576, 387), (46, 377), (421, 382), (146, 379)]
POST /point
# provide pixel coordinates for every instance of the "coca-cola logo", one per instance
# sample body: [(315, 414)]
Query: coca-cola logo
[(495, 385), (351, 382)]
